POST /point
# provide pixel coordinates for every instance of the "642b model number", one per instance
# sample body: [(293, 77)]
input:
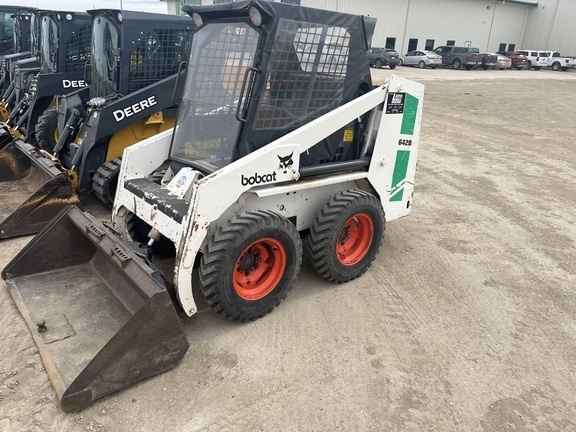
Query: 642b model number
[(405, 142)]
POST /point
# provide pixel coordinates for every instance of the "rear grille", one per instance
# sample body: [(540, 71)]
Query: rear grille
[(77, 50), (157, 57), (307, 71)]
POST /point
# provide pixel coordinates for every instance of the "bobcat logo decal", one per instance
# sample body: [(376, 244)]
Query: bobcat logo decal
[(286, 162)]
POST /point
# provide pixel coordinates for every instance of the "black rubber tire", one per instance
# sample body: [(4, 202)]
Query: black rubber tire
[(485, 67), (378, 64), (520, 67), (564, 69), (537, 68), (329, 225), (528, 64), (138, 230), (222, 254), (433, 67), (392, 66), (47, 129), (468, 67), (456, 64), (400, 62), (556, 66), (422, 64), (105, 181)]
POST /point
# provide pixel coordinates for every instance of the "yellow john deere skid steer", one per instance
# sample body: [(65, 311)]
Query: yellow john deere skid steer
[(280, 134), (131, 98)]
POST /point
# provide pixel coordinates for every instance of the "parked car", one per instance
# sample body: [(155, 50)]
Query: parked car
[(518, 60), (422, 59), (488, 60), (459, 56), (379, 57), (535, 59), (503, 62)]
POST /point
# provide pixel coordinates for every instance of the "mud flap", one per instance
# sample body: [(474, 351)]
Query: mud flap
[(33, 189), (99, 316)]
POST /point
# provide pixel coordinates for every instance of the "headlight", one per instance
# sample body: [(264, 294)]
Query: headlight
[(255, 16), (197, 19)]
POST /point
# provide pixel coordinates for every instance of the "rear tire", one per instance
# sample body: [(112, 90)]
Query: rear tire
[(249, 264), (346, 235), (556, 66), (421, 65), (456, 64), (392, 66), (47, 130), (105, 181), (378, 64)]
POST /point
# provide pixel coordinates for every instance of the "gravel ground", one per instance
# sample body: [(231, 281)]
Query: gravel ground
[(466, 321)]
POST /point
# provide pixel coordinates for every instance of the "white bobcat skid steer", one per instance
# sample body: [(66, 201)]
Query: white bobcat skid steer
[(280, 134), (245, 220)]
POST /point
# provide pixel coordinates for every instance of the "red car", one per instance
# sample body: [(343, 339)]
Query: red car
[(518, 60)]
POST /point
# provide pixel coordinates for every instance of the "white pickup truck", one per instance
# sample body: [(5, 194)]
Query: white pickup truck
[(557, 62)]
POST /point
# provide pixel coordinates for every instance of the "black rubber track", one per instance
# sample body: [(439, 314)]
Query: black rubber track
[(105, 181), (225, 247), (327, 226), (46, 129)]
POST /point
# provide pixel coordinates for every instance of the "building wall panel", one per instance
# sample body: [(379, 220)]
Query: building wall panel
[(484, 23)]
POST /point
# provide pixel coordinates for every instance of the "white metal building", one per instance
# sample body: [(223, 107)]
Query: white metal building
[(490, 25)]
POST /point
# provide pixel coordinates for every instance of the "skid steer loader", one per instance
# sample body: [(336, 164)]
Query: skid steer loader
[(279, 135), (136, 54), (7, 36), (21, 29), (64, 52), (23, 49)]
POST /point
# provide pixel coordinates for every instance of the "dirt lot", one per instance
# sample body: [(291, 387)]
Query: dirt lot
[(466, 322)]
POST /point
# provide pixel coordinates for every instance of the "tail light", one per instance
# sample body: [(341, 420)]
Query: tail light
[(430, 58), (468, 57), (566, 60)]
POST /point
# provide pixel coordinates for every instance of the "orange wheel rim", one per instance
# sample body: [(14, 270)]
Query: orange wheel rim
[(259, 269), (355, 239)]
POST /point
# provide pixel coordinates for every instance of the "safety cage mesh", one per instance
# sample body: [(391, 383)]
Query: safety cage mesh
[(308, 68), (77, 50), (156, 57)]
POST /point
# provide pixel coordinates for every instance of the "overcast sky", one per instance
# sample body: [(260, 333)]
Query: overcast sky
[(83, 5)]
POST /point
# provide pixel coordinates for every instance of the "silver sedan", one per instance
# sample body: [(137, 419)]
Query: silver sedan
[(422, 59), (503, 62)]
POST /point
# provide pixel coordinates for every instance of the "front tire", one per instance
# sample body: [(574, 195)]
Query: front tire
[(378, 64), (47, 130), (250, 264), (456, 64), (346, 235)]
